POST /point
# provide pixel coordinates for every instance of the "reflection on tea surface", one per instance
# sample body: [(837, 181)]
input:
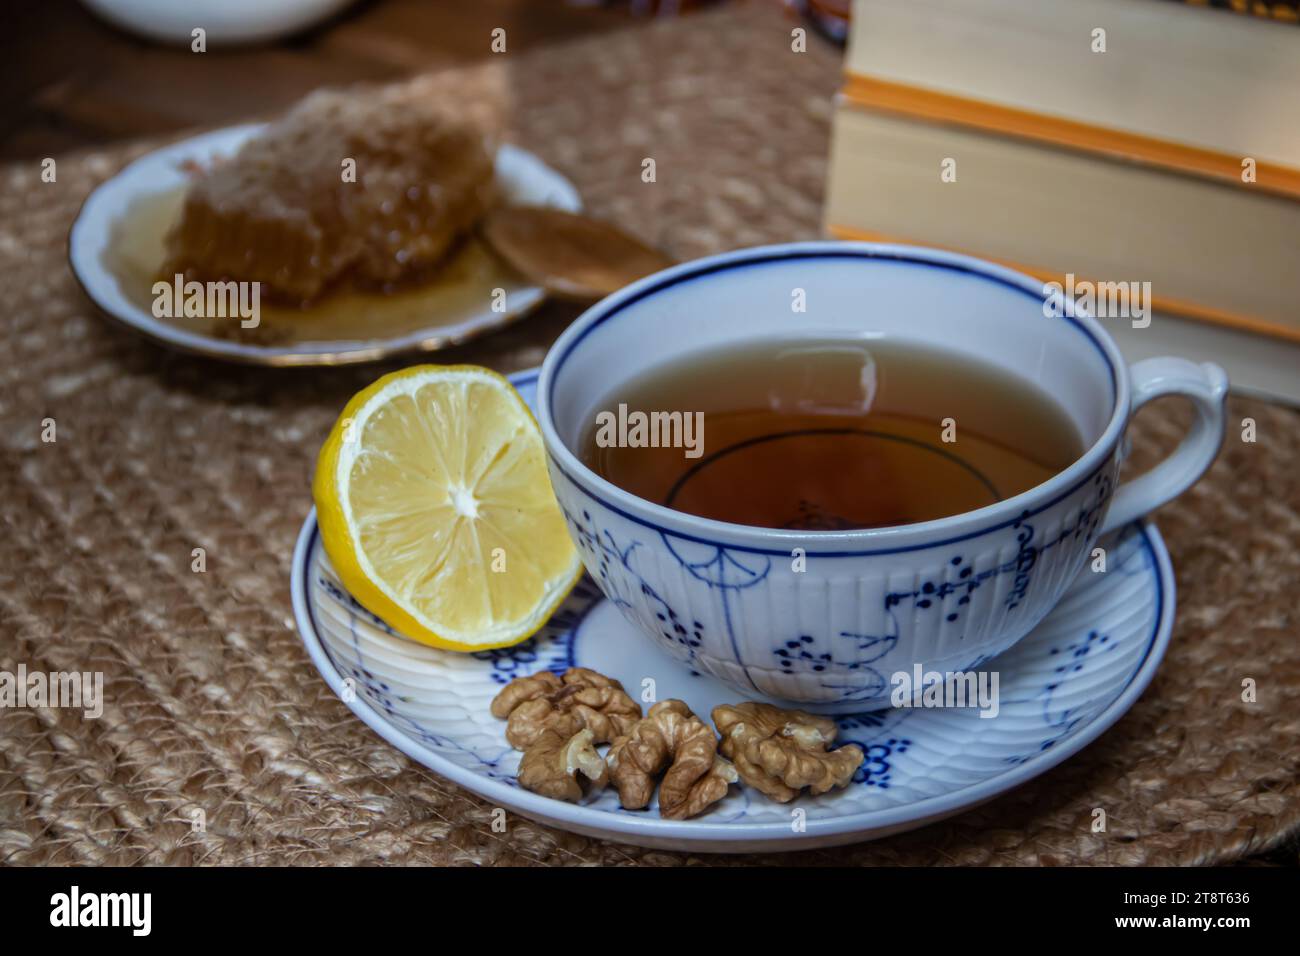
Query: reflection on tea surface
[(830, 434)]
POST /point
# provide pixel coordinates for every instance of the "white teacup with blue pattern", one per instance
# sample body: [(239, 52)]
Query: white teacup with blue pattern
[(827, 631)]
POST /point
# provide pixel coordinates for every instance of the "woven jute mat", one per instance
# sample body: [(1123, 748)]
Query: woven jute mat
[(210, 700)]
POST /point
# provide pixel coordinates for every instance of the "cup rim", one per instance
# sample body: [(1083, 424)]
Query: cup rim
[(854, 542)]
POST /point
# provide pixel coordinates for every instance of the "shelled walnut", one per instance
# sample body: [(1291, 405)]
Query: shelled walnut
[(552, 765), (780, 752), (671, 737), (580, 699), (557, 721)]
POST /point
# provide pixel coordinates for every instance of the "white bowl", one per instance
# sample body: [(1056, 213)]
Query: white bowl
[(223, 21)]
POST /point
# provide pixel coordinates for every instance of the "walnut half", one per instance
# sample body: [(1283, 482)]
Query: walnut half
[(580, 699), (671, 737), (557, 722), (780, 752), (552, 765)]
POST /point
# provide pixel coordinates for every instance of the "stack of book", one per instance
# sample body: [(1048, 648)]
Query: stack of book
[(1101, 144)]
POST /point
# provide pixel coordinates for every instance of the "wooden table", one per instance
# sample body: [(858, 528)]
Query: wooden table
[(71, 80)]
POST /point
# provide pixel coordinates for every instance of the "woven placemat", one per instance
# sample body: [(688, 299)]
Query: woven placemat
[(211, 702)]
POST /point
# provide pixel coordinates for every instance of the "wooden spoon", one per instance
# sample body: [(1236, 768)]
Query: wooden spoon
[(568, 254)]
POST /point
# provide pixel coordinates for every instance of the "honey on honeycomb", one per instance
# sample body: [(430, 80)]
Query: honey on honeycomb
[(283, 212)]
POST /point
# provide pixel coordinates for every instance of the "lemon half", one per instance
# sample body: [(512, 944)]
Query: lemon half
[(436, 509)]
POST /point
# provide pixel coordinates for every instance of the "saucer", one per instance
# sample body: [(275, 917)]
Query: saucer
[(115, 249), (1061, 686)]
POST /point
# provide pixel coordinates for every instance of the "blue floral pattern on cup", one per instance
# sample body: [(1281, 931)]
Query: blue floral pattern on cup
[(694, 594)]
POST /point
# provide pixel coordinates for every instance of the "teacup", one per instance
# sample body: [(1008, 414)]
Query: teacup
[(823, 618)]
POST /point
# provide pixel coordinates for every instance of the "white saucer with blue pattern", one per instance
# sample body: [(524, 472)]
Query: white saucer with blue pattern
[(1062, 686)]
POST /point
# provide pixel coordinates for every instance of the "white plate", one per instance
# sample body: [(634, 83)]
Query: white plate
[(523, 178), (1069, 680)]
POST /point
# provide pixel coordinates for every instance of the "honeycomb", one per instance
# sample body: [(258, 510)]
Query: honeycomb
[(283, 212)]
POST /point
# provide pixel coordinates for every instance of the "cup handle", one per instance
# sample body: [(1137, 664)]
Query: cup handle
[(1207, 386)]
